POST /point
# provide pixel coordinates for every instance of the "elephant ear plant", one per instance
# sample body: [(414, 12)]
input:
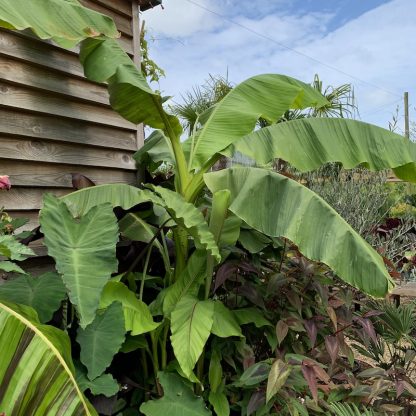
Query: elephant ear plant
[(144, 322)]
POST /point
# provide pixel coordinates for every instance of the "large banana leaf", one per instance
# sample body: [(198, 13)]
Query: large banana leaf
[(156, 149), (267, 96), (36, 372), (66, 22), (104, 60), (130, 95), (278, 206), (309, 143), (84, 251)]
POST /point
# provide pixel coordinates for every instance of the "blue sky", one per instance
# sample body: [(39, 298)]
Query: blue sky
[(370, 43)]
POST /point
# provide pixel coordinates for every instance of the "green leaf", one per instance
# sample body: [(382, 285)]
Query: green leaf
[(84, 250), (255, 374), (44, 293), (253, 241), (251, 316), (13, 249), (136, 228), (220, 403), (279, 373), (278, 206), (130, 95), (225, 323), (102, 339), (133, 343), (156, 149), (230, 231), (36, 372), (309, 143), (268, 96), (188, 282), (215, 371), (189, 217), (137, 316), (105, 384), (178, 399), (104, 60), (282, 330), (66, 22), (191, 323), (10, 267)]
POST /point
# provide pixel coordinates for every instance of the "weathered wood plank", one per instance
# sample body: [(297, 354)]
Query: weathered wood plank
[(22, 199), (23, 73), (52, 152), (34, 51), (123, 23), (27, 173), (19, 123), (119, 6), (127, 44), (18, 97)]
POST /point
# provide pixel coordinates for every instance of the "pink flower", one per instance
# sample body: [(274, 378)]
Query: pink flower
[(5, 182)]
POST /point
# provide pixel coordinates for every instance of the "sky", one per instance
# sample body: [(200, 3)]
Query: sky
[(368, 43)]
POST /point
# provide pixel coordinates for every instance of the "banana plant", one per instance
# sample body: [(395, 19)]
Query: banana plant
[(81, 231)]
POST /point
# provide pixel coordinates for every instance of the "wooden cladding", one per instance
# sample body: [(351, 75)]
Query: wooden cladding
[(54, 122)]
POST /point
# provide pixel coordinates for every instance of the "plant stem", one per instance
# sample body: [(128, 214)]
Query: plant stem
[(146, 265), (165, 255), (182, 174), (180, 236), (196, 184), (155, 362), (163, 345), (210, 273), (144, 365), (140, 256)]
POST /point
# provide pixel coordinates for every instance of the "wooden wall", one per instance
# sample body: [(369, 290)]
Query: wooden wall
[(54, 122)]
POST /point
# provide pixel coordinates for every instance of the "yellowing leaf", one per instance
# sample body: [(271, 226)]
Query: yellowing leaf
[(279, 373)]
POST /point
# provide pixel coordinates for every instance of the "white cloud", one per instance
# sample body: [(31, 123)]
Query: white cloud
[(376, 47), (178, 18)]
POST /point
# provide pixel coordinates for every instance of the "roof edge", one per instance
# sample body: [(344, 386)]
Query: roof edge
[(149, 4)]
